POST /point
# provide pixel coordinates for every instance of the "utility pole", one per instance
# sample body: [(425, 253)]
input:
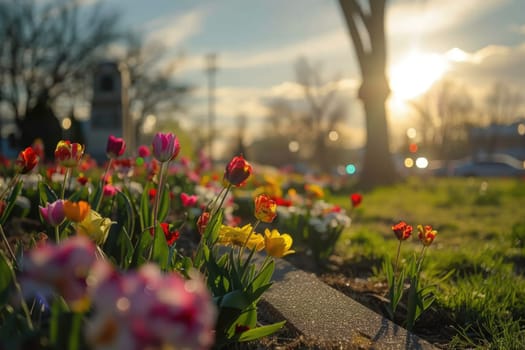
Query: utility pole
[(211, 69)]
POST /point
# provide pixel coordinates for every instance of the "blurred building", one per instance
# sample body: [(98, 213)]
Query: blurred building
[(497, 138), (109, 109)]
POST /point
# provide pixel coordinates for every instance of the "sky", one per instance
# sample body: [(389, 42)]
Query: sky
[(257, 42)]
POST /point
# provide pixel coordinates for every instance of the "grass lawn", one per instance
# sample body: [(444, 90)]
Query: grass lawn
[(481, 237)]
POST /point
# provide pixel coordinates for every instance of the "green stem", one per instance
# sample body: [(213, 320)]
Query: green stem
[(397, 259), (214, 200), (248, 238), (64, 184), (225, 190), (9, 185), (23, 303), (74, 336), (420, 261), (104, 177), (8, 246), (57, 234), (158, 196)]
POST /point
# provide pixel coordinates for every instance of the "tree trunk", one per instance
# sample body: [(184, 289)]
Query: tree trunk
[(378, 166)]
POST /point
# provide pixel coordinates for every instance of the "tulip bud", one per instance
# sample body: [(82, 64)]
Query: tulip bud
[(165, 146), (115, 147), (237, 171), (202, 222)]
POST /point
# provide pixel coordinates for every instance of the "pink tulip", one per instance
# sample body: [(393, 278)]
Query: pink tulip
[(53, 213), (61, 269), (165, 146), (187, 200), (115, 147), (148, 309)]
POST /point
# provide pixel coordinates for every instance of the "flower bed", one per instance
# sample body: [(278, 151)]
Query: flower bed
[(129, 256)]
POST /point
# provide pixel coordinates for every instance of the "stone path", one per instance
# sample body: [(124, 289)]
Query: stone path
[(319, 312)]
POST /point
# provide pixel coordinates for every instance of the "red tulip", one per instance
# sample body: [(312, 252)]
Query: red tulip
[(237, 171), (26, 161), (115, 147), (356, 199), (402, 230)]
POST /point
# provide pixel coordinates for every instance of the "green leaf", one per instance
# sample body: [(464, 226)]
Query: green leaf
[(211, 234), (126, 248), (247, 318), (164, 205), (80, 194), (160, 249), (261, 332), (143, 244), (145, 208), (11, 201), (125, 202), (97, 195), (6, 273), (235, 300), (264, 277), (47, 195)]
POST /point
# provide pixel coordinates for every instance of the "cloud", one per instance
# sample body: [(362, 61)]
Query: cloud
[(253, 102), (325, 45), (489, 64), (423, 17), (173, 31)]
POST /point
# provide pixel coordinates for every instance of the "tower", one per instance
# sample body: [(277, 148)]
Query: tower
[(109, 109)]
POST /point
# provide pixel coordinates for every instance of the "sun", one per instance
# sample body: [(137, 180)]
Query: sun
[(414, 74)]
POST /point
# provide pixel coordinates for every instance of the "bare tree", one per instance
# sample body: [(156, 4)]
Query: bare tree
[(367, 31), (503, 103), (47, 47), (153, 89), (324, 112), (308, 120), (445, 113)]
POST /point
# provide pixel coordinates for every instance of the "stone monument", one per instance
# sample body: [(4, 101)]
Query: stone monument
[(109, 109)]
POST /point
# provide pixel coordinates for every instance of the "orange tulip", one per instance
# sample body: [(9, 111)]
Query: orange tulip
[(76, 211), (426, 234), (265, 208)]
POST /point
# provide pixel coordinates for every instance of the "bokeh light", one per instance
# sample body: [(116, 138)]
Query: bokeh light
[(422, 162), (351, 169), (293, 146), (66, 123)]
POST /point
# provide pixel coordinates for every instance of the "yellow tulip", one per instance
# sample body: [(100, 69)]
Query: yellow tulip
[(277, 245), (95, 227), (239, 236)]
